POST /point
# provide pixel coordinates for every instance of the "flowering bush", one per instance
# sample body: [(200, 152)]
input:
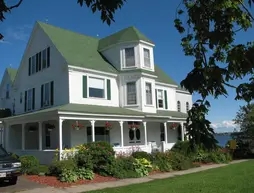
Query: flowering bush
[(108, 125)]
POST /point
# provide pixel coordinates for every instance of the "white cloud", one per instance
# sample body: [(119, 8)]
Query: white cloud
[(224, 126), (20, 33)]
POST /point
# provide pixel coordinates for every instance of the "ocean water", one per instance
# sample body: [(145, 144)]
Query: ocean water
[(222, 139)]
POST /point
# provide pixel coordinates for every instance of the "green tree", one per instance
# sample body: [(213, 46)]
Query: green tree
[(208, 30), (245, 119)]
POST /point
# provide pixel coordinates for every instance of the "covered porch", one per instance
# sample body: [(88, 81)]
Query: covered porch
[(41, 133)]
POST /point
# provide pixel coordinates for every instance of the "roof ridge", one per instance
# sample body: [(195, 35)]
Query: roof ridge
[(61, 28)]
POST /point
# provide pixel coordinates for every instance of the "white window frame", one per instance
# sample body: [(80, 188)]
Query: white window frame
[(45, 102), (151, 87), (29, 100), (104, 87), (146, 65), (134, 57), (163, 98), (131, 82)]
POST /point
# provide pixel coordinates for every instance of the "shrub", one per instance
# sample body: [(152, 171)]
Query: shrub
[(182, 147), (57, 167), (28, 162), (15, 156), (142, 166), (68, 175), (103, 156), (161, 161), (123, 167), (142, 154), (179, 161), (84, 159), (36, 170), (84, 173)]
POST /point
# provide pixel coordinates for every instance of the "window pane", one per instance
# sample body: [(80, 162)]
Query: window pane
[(33, 64), (44, 58), (29, 99), (129, 57), (131, 93), (46, 95), (147, 57), (149, 94), (96, 83), (95, 92), (178, 106)]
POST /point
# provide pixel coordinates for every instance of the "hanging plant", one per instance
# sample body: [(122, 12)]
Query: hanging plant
[(50, 127), (77, 126), (174, 125), (108, 126), (133, 126)]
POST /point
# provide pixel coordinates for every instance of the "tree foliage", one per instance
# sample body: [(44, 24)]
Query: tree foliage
[(209, 30), (245, 119)]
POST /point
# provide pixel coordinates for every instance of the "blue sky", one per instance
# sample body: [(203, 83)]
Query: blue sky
[(154, 20)]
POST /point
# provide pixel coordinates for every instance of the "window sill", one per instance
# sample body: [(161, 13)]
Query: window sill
[(131, 105), (149, 105), (97, 98), (129, 68)]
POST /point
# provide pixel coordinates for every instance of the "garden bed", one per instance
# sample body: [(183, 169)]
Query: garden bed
[(53, 181)]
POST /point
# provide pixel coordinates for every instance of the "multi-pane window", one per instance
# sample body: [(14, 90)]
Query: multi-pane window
[(147, 59), (178, 106), (187, 107), (149, 100), (96, 87), (47, 94), (7, 93), (131, 93), (129, 57), (39, 61), (160, 99), (29, 99)]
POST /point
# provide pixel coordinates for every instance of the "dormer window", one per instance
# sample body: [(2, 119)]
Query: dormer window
[(129, 57), (147, 58)]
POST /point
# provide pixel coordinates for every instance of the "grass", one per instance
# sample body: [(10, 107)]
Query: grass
[(236, 178)]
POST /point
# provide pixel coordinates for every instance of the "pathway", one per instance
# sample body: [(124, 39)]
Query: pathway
[(125, 182)]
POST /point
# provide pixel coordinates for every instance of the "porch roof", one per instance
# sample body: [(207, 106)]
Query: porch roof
[(96, 109)]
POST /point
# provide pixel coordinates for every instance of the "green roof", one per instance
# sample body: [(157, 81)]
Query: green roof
[(107, 110), (12, 73), (126, 35), (77, 49), (162, 76)]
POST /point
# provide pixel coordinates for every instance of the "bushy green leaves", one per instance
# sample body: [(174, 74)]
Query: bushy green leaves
[(211, 27)]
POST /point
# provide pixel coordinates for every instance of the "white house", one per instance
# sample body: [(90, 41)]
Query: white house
[(70, 86)]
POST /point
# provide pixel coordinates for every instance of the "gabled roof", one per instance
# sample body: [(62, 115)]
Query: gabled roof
[(77, 49), (129, 34), (12, 73)]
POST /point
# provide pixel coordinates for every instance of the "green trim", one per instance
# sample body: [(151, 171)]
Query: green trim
[(84, 86), (108, 89), (166, 99)]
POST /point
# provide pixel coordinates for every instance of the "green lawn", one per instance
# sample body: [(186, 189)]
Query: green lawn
[(237, 178)]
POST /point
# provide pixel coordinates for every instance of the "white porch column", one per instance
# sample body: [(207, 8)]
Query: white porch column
[(166, 132), (121, 130), (60, 133), (93, 130), (145, 132), (182, 131), (40, 136), (23, 136)]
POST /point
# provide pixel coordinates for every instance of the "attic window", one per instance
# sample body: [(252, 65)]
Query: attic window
[(129, 57), (147, 60), (7, 91)]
